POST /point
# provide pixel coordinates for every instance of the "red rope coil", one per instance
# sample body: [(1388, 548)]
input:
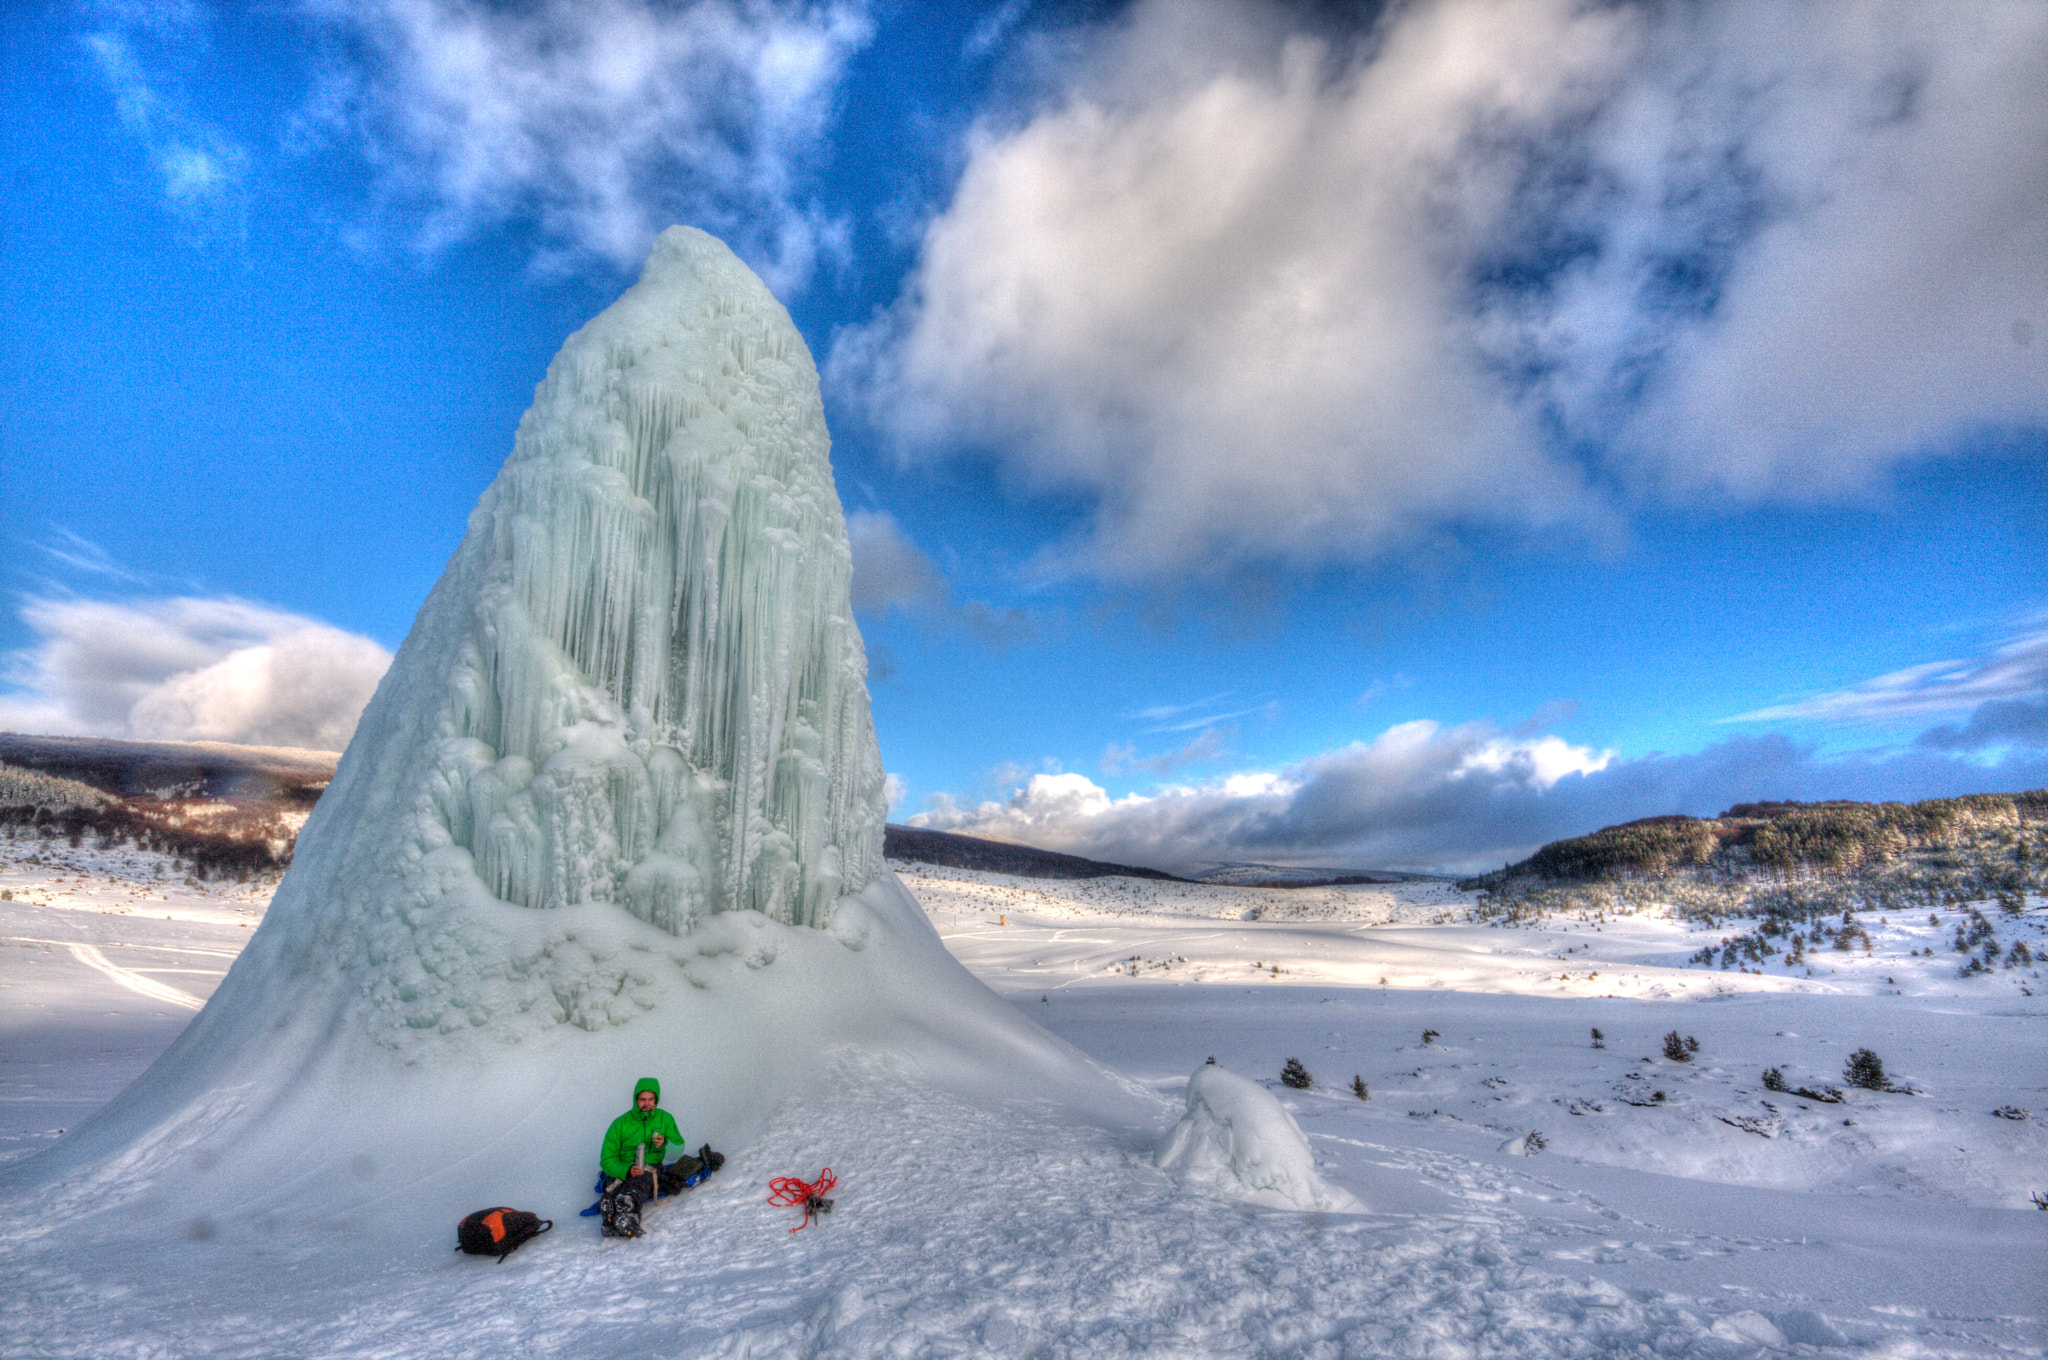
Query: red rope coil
[(787, 1192)]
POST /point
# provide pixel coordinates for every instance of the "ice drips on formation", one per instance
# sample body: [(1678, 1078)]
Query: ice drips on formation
[(637, 691), (662, 702)]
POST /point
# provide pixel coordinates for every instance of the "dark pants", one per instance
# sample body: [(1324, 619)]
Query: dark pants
[(629, 1194)]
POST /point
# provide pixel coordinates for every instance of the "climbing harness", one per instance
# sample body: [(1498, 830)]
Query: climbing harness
[(787, 1192)]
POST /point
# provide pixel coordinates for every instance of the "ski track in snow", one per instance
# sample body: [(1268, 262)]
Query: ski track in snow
[(965, 1229), (132, 980)]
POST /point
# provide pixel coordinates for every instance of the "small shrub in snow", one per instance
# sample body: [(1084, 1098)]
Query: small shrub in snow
[(1774, 1080), (1359, 1088), (1430, 1036), (2011, 1112), (1535, 1142), (1675, 1049), (1599, 1039), (1296, 1076), (2040, 1201), (1864, 1069)]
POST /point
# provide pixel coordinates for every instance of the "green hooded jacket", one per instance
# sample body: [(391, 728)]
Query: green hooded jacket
[(633, 1128)]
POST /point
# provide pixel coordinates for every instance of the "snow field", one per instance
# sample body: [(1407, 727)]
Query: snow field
[(1004, 1226), (963, 1229), (104, 957), (1530, 1065)]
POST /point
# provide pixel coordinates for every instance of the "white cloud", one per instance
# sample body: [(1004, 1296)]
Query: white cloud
[(892, 573), (2016, 669), (602, 120), (1259, 298), (1209, 745), (190, 670), (889, 571), (200, 166), (1459, 799)]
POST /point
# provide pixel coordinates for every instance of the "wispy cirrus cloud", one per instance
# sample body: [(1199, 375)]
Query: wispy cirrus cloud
[(1213, 743), (200, 168), (2014, 672), (599, 121)]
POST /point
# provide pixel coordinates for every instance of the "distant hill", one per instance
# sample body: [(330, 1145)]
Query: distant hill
[(1290, 876), (1777, 837), (954, 851), (1802, 869), (176, 769), (236, 809), (216, 810)]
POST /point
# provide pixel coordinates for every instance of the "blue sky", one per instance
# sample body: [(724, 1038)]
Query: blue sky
[(1286, 433)]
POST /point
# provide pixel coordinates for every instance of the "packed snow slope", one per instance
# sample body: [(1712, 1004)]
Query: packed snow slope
[(615, 810)]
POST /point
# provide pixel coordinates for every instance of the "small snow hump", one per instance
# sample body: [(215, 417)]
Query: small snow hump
[(1237, 1140)]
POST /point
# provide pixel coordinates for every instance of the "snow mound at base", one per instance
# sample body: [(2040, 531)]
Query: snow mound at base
[(1239, 1141)]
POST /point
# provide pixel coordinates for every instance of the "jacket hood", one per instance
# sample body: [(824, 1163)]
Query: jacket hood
[(647, 1084)]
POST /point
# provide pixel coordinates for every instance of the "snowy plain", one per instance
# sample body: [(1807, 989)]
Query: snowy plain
[(1720, 1220)]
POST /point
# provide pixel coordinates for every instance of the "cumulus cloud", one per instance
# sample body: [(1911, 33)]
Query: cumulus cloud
[(601, 120), (1457, 799), (1998, 684), (2002, 722), (1262, 297), (189, 669), (892, 573)]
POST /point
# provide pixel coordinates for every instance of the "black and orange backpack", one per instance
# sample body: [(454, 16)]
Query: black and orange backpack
[(498, 1232)]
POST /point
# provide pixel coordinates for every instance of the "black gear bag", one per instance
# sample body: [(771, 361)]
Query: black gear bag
[(498, 1232)]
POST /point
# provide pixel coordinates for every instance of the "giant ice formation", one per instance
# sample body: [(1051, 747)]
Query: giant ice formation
[(638, 684), (654, 691), (615, 809)]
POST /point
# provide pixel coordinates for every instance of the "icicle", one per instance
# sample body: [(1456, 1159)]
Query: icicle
[(663, 703)]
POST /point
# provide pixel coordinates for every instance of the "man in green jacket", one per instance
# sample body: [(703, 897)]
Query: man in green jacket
[(635, 1147)]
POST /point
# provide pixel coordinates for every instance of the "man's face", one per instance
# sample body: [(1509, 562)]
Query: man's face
[(645, 1100)]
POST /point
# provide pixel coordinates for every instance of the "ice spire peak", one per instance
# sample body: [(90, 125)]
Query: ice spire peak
[(637, 688)]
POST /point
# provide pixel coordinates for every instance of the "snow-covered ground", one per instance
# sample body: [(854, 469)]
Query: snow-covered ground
[(1718, 1220), (105, 955)]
